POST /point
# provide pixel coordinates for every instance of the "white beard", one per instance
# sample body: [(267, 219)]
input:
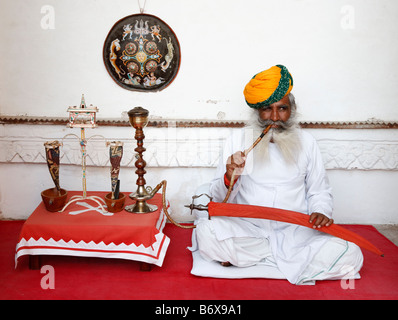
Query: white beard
[(286, 139)]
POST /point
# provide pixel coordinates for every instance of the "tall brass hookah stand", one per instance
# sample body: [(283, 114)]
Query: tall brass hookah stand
[(138, 118)]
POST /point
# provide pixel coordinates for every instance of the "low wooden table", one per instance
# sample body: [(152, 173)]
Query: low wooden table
[(123, 235)]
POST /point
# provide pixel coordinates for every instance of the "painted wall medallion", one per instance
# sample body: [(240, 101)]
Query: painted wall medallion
[(142, 53)]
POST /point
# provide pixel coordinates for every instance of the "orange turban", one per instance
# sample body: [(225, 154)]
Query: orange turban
[(268, 87)]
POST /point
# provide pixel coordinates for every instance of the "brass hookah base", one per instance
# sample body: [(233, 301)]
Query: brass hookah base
[(141, 196)]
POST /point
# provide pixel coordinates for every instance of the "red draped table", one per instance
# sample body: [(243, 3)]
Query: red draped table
[(89, 233)]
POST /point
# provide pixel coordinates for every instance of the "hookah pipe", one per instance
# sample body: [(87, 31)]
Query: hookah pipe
[(246, 152), (192, 206), (138, 118)]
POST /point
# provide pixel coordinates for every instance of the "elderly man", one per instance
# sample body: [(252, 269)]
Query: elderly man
[(285, 170)]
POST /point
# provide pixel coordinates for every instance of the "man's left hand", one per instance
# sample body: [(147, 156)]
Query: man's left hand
[(320, 220)]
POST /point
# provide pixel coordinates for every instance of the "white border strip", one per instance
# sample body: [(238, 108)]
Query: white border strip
[(153, 254)]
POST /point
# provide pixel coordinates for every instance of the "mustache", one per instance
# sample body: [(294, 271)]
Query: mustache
[(282, 125)]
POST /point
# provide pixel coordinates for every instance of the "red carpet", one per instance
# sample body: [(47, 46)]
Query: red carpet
[(94, 278)]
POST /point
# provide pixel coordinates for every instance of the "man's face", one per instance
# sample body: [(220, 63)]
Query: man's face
[(277, 112)]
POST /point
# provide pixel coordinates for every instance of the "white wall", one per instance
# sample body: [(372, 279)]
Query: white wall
[(342, 55)]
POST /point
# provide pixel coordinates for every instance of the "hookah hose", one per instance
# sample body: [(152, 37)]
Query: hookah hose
[(163, 185), (231, 184)]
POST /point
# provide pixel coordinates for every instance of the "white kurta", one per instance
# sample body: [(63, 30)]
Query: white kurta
[(301, 187)]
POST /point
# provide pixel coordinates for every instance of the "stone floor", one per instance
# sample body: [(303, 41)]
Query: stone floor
[(390, 231)]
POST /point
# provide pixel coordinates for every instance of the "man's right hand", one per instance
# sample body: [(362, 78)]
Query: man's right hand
[(235, 161)]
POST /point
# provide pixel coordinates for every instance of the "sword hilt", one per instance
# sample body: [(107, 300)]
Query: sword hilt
[(199, 207)]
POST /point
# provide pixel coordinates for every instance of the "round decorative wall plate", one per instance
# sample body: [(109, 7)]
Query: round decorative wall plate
[(142, 53)]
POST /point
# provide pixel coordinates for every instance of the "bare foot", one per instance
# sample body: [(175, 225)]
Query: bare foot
[(226, 264)]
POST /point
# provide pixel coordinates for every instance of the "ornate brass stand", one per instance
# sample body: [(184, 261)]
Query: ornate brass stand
[(138, 118)]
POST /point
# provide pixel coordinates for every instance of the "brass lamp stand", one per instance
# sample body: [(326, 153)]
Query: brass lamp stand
[(138, 118)]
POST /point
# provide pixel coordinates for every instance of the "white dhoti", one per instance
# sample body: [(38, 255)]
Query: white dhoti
[(239, 251), (302, 255), (337, 258)]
